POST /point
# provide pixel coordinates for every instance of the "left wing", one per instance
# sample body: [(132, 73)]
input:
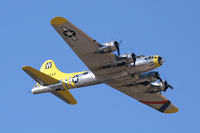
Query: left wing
[(154, 100), (85, 47)]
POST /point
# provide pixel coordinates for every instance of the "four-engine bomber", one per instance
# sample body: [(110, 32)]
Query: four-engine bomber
[(128, 73)]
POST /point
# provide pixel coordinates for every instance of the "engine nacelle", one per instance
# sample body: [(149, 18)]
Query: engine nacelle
[(121, 61), (108, 47), (146, 78), (149, 77), (128, 57)]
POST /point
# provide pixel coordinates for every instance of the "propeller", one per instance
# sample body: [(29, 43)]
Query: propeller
[(167, 85), (134, 57), (117, 47), (117, 44), (157, 75)]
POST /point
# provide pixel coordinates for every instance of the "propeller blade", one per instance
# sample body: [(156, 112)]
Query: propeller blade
[(170, 86), (157, 75), (117, 47), (167, 86), (134, 57)]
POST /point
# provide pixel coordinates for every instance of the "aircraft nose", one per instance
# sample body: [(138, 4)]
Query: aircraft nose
[(158, 60)]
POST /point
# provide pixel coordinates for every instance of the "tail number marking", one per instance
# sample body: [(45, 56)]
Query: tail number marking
[(48, 65)]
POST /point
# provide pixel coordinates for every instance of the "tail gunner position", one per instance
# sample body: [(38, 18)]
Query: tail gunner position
[(128, 73)]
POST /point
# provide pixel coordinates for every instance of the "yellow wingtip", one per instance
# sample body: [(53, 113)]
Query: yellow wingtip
[(25, 67), (58, 20), (174, 110)]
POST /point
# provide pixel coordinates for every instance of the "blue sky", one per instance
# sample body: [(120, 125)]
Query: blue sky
[(168, 28)]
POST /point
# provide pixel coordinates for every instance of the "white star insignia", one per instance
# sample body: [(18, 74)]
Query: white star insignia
[(75, 79)]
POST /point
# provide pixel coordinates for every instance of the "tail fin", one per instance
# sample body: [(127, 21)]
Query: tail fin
[(49, 68)]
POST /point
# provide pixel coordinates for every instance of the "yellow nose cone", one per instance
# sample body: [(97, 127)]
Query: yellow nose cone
[(156, 62)]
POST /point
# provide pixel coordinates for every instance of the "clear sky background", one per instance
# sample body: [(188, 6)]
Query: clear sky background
[(169, 28)]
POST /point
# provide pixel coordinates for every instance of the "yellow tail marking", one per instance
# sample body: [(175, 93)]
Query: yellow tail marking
[(67, 83), (49, 68), (64, 86), (73, 85)]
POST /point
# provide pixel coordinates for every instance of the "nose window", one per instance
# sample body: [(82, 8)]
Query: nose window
[(155, 57), (160, 60)]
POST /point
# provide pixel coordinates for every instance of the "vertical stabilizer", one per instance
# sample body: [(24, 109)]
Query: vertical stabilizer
[(49, 68)]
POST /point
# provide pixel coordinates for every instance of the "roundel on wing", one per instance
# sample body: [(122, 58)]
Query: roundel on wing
[(69, 33)]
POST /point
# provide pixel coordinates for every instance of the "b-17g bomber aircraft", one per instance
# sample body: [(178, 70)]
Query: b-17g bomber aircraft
[(128, 73)]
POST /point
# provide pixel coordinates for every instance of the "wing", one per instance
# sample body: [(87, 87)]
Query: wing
[(84, 46), (44, 79), (154, 100)]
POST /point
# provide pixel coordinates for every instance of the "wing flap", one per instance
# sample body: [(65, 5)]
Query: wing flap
[(44, 79)]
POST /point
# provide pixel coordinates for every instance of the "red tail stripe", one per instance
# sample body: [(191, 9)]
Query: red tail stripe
[(155, 102)]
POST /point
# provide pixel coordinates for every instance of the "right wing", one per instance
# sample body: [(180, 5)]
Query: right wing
[(85, 47), (154, 100)]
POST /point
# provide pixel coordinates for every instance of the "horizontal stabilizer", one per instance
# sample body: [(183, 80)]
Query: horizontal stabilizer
[(40, 77)]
